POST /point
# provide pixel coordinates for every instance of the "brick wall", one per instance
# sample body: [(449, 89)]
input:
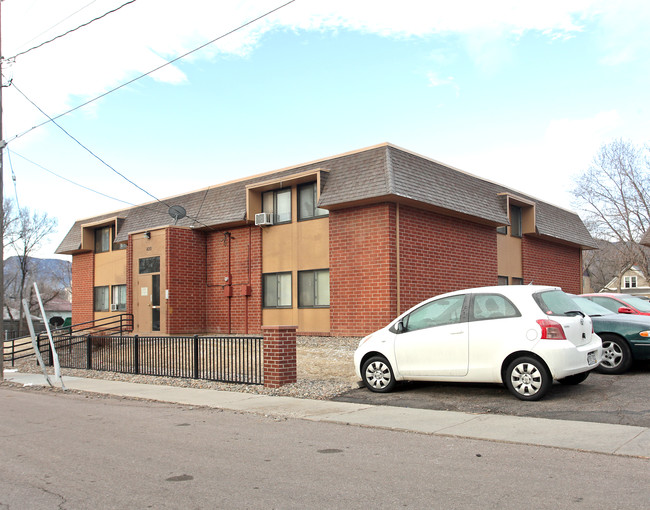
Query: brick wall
[(362, 269), (441, 254), (83, 283), (547, 263), (234, 306), (186, 277)]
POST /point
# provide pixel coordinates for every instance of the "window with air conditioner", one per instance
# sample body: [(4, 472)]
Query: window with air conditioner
[(118, 303), (277, 203)]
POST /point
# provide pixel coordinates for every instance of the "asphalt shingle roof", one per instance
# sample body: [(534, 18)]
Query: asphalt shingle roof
[(384, 171)]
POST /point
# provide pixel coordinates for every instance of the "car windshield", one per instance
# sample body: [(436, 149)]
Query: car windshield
[(555, 302), (640, 304), (590, 308)]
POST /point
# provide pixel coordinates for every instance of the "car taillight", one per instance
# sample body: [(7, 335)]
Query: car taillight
[(551, 330)]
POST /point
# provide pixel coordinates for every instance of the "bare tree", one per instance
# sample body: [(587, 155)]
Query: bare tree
[(614, 195), (30, 230)]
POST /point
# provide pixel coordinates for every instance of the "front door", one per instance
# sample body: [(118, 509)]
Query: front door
[(148, 301)]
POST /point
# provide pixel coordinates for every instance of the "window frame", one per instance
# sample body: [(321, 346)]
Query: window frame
[(147, 271), (278, 287), (107, 299), (99, 246), (629, 282), (316, 212), (274, 212), (121, 307), (314, 274), (516, 218)]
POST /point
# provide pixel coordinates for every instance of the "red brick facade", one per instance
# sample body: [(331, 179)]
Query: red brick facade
[(440, 254), (83, 284), (234, 305), (214, 278), (186, 278), (547, 263), (363, 269)]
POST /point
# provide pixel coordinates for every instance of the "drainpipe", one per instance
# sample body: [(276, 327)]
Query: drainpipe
[(398, 257)]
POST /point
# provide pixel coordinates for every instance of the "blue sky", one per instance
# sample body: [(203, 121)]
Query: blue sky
[(522, 93)]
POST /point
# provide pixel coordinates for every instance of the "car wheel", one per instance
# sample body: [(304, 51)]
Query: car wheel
[(617, 357), (378, 375), (527, 378), (574, 379)]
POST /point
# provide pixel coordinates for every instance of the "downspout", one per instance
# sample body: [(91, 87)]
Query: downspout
[(229, 283), (250, 240), (398, 257)]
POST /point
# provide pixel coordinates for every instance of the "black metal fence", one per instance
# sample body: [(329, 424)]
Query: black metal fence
[(223, 359), (18, 348)]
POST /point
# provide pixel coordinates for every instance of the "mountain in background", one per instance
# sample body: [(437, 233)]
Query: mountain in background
[(54, 271)]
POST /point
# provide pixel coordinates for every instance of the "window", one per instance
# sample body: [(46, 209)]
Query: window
[(314, 288), (119, 298), (517, 281), (436, 313), (119, 246), (103, 239), (492, 306), (277, 290), (502, 230), (149, 265), (307, 203), (502, 280), (630, 282), (515, 221), (278, 203), (101, 299)]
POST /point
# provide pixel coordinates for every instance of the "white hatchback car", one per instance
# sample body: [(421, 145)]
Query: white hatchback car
[(521, 336)]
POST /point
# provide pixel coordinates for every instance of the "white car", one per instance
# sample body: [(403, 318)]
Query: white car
[(522, 336)]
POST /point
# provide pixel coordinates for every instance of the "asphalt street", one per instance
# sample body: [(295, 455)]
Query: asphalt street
[(83, 451), (620, 399)]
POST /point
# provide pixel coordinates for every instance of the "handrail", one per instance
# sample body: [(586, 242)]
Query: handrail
[(122, 323)]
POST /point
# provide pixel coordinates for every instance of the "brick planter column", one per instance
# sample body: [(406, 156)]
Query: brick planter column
[(279, 355)]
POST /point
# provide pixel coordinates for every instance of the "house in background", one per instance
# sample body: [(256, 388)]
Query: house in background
[(338, 246), (632, 281)]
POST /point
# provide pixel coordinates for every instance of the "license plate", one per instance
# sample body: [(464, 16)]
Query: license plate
[(591, 358)]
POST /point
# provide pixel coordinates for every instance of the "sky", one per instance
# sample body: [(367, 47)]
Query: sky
[(518, 92)]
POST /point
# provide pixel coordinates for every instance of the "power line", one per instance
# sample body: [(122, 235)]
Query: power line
[(66, 179), (51, 119), (100, 159), (56, 24), (70, 31)]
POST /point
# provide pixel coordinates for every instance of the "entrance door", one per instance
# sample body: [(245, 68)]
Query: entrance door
[(148, 301)]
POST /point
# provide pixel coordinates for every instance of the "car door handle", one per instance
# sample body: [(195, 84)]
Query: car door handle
[(457, 332)]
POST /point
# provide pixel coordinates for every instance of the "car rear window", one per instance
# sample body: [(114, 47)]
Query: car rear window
[(554, 302)]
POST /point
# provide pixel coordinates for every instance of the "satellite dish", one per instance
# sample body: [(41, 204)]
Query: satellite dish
[(177, 212)]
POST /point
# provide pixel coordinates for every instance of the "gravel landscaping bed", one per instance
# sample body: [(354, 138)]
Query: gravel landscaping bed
[(324, 364)]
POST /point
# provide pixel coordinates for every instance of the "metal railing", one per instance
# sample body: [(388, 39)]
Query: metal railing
[(223, 359), (115, 325), (18, 348)]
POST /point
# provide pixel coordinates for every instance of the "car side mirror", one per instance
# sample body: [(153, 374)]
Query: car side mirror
[(399, 327), (624, 309)]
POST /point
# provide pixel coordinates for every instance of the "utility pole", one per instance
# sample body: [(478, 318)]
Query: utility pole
[(2, 222)]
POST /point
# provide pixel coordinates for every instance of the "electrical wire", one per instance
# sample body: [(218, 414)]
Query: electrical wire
[(65, 178), (100, 159), (56, 24), (51, 119), (13, 59)]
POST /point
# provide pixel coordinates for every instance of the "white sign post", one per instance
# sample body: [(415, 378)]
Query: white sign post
[(55, 356), (34, 343)]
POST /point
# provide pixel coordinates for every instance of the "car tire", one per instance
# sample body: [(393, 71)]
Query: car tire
[(572, 380), (617, 357), (527, 378), (378, 375)]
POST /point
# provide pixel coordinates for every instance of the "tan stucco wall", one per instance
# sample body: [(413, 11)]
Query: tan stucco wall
[(509, 261), (293, 247), (110, 269)]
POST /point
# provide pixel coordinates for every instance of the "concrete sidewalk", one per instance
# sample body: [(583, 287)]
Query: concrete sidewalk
[(574, 435)]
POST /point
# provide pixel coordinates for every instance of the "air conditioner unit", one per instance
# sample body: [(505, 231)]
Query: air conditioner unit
[(114, 308), (262, 219)]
